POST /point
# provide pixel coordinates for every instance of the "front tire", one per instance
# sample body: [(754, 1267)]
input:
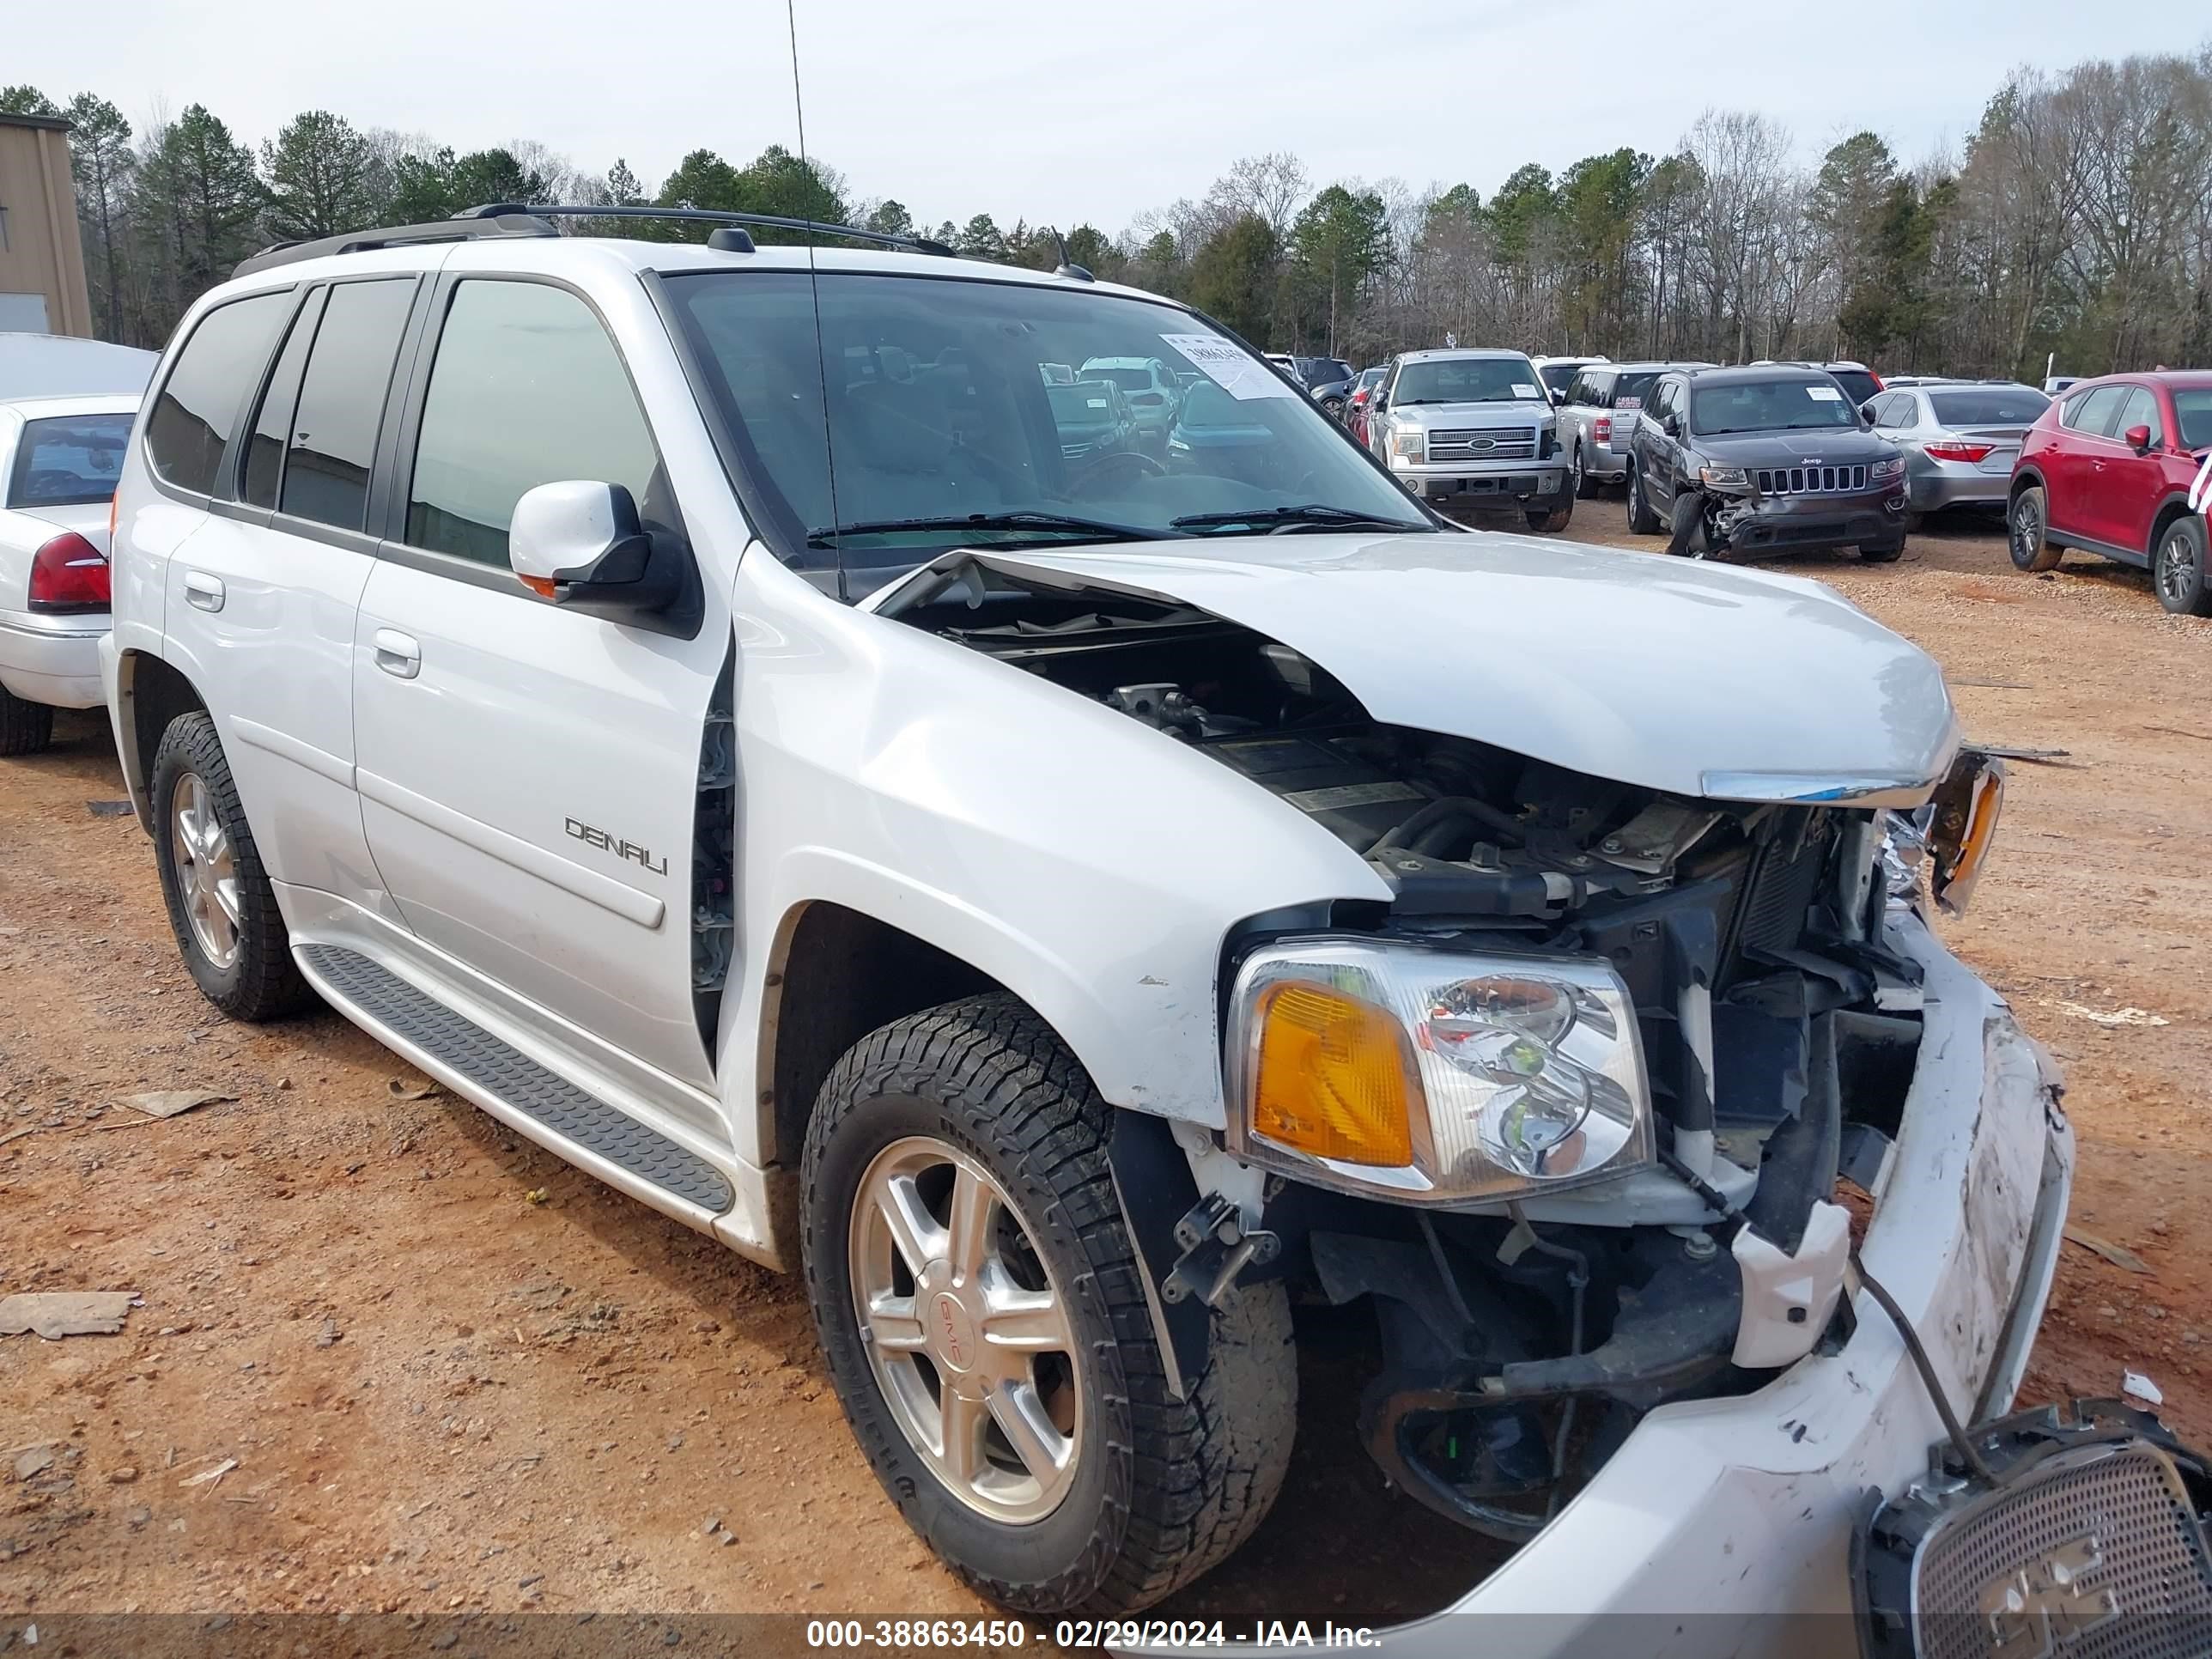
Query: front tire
[(954, 1183), (1642, 521), (222, 907), (2027, 532), (1883, 552), (2178, 568), (26, 727), (1553, 519)]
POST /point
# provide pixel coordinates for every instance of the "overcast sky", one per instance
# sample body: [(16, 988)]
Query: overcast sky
[(1073, 112)]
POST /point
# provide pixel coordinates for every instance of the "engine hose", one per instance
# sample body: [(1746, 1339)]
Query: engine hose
[(1450, 808)]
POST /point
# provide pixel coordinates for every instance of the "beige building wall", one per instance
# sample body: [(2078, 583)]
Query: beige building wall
[(41, 254)]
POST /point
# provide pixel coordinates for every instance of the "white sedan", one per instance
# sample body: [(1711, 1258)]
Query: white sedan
[(58, 461)]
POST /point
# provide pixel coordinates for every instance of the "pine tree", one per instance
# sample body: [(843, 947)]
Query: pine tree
[(101, 163), (322, 178)]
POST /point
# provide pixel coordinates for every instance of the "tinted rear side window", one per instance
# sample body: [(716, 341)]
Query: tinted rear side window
[(69, 460), (2093, 411), (333, 438), (527, 389), (199, 408), (265, 444)]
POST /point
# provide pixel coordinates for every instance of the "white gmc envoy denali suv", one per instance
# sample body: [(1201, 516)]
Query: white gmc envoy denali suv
[(683, 698)]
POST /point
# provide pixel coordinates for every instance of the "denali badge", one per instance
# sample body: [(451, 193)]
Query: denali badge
[(2041, 1609), (622, 849)]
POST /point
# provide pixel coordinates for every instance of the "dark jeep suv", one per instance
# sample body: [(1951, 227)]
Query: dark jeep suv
[(1747, 460)]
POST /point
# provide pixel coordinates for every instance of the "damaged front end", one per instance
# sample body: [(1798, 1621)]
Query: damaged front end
[(1580, 1111)]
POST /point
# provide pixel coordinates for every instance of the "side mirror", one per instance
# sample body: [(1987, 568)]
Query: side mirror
[(578, 544), (1377, 403), (1866, 413), (1671, 424), (2137, 438)]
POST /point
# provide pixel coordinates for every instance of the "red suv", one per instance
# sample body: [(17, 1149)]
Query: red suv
[(2108, 468)]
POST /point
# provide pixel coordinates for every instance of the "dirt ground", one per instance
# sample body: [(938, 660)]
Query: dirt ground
[(391, 1358)]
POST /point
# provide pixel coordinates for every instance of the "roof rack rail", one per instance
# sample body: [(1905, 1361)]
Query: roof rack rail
[(708, 216), (509, 222)]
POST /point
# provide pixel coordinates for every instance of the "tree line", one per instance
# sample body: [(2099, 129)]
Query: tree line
[(2075, 219)]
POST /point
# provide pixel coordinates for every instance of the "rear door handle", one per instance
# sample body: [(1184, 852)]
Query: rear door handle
[(203, 590), (397, 654)]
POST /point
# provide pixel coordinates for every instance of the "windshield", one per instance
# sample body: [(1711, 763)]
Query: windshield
[(2192, 409), (939, 407), (1367, 377), (1129, 379), (1860, 383), (1467, 380), (1628, 391), (1561, 376), (1769, 406), (69, 460), (1085, 402), (1996, 406)]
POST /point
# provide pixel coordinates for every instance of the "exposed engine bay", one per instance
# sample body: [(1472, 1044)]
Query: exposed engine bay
[(1522, 1341)]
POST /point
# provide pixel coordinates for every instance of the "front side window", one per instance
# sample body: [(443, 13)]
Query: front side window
[(526, 389), (198, 406), (341, 409), (2192, 411), (1469, 380), (1770, 406), (2141, 409), (938, 426), (67, 460)]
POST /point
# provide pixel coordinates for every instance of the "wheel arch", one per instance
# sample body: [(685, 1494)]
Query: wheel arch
[(2175, 505), (151, 692), (2022, 479), (835, 973)]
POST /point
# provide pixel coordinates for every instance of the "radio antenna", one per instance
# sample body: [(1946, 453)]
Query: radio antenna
[(814, 287)]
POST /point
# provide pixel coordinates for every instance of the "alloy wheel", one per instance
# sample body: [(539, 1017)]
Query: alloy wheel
[(970, 1338), (2027, 529), (207, 873), (2176, 560)]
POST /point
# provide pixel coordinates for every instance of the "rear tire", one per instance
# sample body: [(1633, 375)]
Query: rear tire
[(2027, 532), (2178, 568), (25, 727), (1585, 486), (1642, 521), (212, 880), (1156, 1491)]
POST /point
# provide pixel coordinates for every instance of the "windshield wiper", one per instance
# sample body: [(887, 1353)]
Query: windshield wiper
[(1282, 516), (1100, 528)]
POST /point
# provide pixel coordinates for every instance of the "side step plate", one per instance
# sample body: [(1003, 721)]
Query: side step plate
[(499, 1069)]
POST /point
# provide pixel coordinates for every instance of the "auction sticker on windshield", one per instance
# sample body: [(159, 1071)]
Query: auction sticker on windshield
[(1824, 394), (1521, 391), (1229, 367)]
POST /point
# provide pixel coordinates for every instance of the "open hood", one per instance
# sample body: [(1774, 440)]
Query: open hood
[(1695, 678)]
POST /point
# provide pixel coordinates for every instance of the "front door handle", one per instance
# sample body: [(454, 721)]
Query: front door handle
[(397, 654), (202, 590)]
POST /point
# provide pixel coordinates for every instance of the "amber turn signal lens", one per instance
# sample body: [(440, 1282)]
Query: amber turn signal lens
[(1967, 808), (1334, 1077)]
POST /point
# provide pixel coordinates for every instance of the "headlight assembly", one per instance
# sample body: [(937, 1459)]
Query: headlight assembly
[(1409, 444), (1432, 1074), (1723, 478), (1888, 470)]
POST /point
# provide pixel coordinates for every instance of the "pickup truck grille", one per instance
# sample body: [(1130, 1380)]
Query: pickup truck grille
[(1811, 480), (1512, 443)]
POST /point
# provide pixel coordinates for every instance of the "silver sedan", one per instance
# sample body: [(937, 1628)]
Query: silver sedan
[(1959, 440)]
